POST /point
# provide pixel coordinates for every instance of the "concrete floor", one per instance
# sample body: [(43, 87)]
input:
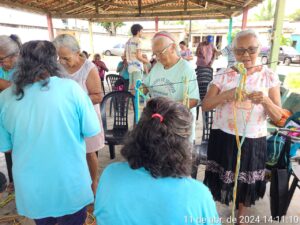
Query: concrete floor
[(261, 211)]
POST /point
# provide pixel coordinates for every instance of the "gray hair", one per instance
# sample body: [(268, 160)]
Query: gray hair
[(165, 36), (10, 44), (244, 33), (67, 41)]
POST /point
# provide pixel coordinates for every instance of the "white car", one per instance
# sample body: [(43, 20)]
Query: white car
[(117, 50)]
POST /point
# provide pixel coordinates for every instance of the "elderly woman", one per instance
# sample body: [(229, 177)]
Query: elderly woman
[(85, 73), (153, 187), (9, 51), (45, 119), (262, 99)]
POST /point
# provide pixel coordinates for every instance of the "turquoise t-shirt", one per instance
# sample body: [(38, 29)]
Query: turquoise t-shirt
[(124, 72), (46, 131), (6, 75), (170, 83), (133, 197)]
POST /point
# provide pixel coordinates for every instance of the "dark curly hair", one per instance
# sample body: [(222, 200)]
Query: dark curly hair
[(37, 62), (162, 148)]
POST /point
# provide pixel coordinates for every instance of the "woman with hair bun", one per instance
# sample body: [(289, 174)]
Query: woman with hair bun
[(153, 186)]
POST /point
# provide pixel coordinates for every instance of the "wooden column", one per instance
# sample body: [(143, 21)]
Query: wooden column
[(156, 24), (245, 18), (277, 32), (50, 27), (91, 37)]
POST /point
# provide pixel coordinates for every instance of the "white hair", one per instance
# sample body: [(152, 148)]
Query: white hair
[(165, 36), (10, 44), (244, 33), (67, 41)]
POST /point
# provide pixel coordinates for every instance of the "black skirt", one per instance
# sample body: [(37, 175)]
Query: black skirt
[(220, 168)]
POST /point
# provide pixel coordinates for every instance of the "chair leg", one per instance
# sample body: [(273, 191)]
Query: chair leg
[(103, 88), (112, 151)]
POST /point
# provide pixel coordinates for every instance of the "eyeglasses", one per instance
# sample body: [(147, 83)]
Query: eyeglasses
[(5, 57), (162, 51), (241, 51)]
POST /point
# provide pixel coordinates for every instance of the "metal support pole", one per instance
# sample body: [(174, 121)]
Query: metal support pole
[(50, 27), (229, 31)]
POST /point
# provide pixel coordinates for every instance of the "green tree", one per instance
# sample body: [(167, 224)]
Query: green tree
[(111, 27), (285, 41), (295, 16), (266, 12)]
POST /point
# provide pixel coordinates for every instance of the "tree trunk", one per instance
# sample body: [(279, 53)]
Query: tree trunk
[(112, 29)]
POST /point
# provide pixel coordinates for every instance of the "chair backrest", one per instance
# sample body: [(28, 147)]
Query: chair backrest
[(207, 120), (204, 77), (120, 102), (113, 81)]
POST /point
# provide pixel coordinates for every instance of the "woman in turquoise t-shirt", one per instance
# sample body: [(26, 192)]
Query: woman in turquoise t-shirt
[(44, 119), (154, 186), (9, 51)]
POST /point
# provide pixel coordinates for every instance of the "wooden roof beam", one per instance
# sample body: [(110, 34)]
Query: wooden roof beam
[(185, 5), (20, 6), (158, 3), (76, 6), (143, 15)]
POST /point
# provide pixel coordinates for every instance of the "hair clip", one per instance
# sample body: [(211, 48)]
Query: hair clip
[(157, 115)]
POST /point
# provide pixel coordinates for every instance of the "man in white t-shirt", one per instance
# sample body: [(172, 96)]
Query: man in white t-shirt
[(134, 56)]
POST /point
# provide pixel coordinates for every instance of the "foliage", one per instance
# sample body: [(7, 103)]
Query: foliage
[(111, 27), (295, 16), (285, 41), (292, 81), (266, 12)]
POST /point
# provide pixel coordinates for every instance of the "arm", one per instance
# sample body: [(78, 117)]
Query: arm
[(145, 89), (271, 103), (94, 86), (120, 67), (213, 98), (103, 66), (4, 84), (140, 57)]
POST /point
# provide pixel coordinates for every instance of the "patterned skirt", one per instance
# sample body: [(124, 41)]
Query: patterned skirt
[(220, 168)]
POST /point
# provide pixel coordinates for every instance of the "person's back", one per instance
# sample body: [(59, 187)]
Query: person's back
[(44, 119), (46, 129), (205, 53), (154, 186), (131, 47), (133, 197)]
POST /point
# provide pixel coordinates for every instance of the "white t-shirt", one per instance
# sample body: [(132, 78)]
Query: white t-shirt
[(131, 47), (257, 119)]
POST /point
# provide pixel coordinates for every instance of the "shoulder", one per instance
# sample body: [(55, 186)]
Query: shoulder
[(115, 168), (186, 66), (89, 65), (196, 188), (6, 94)]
